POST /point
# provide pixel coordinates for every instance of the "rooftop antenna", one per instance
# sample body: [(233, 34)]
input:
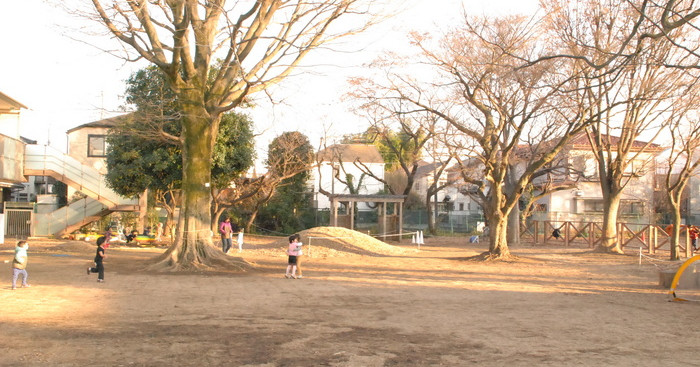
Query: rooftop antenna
[(102, 104)]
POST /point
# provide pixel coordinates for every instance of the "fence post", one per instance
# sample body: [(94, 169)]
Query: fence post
[(653, 239), (566, 234), (537, 227), (688, 251), (619, 234)]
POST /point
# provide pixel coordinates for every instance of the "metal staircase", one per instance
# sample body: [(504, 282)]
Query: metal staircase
[(43, 160)]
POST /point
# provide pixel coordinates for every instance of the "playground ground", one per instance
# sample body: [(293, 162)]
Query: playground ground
[(555, 306)]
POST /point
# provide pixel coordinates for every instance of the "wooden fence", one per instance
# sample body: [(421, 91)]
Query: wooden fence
[(649, 237)]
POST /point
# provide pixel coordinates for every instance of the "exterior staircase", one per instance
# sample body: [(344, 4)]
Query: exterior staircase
[(43, 160)]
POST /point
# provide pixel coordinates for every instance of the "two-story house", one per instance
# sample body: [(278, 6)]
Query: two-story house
[(584, 201)]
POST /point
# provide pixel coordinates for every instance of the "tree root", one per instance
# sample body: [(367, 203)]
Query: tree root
[(210, 259), (488, 257), (608, 250)]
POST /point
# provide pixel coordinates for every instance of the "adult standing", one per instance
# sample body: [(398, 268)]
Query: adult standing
[(226, 232)]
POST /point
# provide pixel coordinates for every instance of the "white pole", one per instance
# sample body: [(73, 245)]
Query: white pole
[(413, 239), (640, 256)]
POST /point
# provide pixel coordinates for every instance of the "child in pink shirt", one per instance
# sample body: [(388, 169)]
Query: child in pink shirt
[(294, 251)]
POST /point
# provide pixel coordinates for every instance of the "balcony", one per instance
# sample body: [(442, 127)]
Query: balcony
[(11, 161)]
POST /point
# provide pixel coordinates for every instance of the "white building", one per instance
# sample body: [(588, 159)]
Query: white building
[(584, 202)]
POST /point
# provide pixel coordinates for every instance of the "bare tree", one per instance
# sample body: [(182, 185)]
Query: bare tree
[(630, 94), (214, 55), (633, 25), (403, 135), (495, 108), (683, 161), (168, 199)]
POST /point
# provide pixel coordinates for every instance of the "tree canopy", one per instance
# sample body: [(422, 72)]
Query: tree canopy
[(137, 160)]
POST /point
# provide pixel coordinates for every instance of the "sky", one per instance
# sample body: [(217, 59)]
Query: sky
[(66, 83)]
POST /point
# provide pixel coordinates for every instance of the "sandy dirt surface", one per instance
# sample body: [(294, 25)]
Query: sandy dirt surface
[(435, 306)]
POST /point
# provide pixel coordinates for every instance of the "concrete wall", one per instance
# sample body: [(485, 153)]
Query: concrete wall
[(78, 147)]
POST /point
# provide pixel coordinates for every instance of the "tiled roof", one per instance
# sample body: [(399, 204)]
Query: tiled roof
[(107, 123)]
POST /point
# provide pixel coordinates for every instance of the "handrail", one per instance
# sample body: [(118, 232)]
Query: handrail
[(84, 178), (64, 217)]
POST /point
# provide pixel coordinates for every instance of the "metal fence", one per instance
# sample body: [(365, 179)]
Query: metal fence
[(18, 221), (449, 222)]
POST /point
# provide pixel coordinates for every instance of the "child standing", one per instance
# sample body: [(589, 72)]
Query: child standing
[(19, 264), (240, 240), (99, 257), (693, 233), (294, 252)]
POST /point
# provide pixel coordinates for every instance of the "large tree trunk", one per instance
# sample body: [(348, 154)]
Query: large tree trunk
[(498, 236), (193, 248), (609, 242)]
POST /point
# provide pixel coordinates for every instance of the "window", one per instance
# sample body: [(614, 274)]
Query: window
[(461, 206), (593, 206), (635, 167), (97, 146), (632, 207)]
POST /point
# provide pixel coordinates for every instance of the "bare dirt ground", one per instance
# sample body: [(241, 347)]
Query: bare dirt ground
[(555, 306)]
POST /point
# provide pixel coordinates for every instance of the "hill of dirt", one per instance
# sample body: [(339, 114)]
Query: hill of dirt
[(322, 242)]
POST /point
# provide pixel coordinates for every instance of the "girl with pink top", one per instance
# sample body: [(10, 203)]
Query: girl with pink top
[(294, 251)]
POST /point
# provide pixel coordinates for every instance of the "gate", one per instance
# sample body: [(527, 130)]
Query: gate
[(18, 220)]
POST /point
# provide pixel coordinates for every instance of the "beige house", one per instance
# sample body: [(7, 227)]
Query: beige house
[(88, 142), (584, 201)]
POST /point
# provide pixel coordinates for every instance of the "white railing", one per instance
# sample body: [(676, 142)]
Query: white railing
[(84, 178), (52, 223)]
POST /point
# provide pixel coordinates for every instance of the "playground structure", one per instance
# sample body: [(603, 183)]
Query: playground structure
[(649, 238)]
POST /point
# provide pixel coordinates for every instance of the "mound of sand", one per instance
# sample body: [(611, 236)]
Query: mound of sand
[(338, 242)]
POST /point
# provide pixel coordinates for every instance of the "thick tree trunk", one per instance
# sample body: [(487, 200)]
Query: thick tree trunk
[(498, 239), (609, 241), (193, 248)]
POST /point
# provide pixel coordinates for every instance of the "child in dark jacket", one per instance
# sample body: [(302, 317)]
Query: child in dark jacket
[(99, 257)]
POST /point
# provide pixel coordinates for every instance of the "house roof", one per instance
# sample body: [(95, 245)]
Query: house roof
[(105, 123), (365, 153), (427, 168), (580, 141), (7, 103)]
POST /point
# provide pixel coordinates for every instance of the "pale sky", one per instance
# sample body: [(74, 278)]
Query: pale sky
[(66, 83)]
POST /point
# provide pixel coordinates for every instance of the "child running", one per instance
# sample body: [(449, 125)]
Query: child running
[(294, 251), (99, 257), (19, 264)]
